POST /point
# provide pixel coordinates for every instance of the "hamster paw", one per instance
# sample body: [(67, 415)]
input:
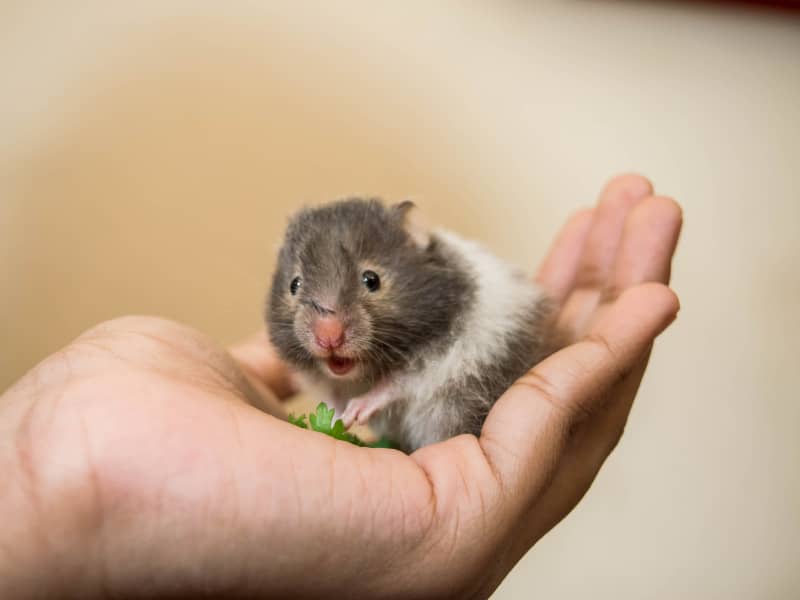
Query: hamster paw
[(358, 410), (361, 408)]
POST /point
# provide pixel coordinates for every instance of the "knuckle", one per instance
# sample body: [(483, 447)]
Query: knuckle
[(619, 367), (614, 439), (602, 343), (590, 276), (604, 445), (611, 292), (540, 385)]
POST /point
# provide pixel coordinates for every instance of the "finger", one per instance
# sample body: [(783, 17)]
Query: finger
[(526, 431), (588, 449), (257, 356), (557, 273), (645, 254), (591, 444), (648, 244), (617, 200)]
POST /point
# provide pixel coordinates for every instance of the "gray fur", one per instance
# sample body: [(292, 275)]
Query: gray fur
[(428, 289), (461, 406), (431, 306)]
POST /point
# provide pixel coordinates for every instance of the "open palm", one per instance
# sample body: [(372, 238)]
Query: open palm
[(146, 461)]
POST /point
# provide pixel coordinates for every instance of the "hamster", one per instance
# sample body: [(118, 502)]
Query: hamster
[(413, 329)]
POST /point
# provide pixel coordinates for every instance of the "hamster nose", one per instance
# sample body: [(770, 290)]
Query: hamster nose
[(328, 332)]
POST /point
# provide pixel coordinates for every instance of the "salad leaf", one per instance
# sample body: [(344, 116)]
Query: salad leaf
[(321, 420), (299, 421)]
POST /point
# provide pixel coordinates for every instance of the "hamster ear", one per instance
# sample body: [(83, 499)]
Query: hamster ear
[(411, 219)]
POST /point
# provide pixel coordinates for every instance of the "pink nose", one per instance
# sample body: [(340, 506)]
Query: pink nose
[(328, 332)]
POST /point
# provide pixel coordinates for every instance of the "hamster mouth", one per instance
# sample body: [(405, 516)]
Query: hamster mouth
[(340, 365)]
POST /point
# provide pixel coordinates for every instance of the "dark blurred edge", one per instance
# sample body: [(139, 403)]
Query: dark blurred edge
[(791, 6)]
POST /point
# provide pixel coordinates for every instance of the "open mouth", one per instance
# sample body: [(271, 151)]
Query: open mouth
[(339, 365)]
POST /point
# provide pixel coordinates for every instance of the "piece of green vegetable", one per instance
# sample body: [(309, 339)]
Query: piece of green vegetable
[(322, 421)]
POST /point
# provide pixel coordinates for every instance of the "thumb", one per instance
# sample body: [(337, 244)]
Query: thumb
[(526, 431), (259, 359)]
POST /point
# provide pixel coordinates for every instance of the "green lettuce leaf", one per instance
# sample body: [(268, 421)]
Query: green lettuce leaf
[(321, 420)]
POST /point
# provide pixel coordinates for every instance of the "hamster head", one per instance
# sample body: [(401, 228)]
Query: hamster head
[(360, 289)]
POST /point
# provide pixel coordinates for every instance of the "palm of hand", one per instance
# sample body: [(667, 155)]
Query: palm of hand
[(178, 477)]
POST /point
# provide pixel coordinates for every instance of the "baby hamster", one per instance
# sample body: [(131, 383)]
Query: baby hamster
[(386, 318)]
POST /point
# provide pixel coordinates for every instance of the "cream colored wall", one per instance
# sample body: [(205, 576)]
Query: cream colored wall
[(149, 153)]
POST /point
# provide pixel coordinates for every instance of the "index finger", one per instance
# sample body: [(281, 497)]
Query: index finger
[(526, 431)]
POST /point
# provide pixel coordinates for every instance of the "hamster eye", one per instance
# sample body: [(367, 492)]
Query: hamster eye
[(294, 286), (371, 280)]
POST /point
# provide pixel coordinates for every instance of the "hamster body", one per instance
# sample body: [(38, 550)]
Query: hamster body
[(417, 331)]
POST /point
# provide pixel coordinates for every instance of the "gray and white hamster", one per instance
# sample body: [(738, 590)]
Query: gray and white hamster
[(414, 329)]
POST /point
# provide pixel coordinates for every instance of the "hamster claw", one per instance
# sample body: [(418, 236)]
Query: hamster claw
[(361, 408), (357, 411)]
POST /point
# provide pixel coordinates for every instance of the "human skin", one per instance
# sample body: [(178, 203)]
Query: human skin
[(143, 460)]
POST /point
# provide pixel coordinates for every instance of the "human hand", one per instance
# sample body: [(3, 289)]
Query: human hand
[(143, 461)]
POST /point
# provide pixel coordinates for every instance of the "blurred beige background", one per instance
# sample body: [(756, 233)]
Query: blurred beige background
[(149, 153)]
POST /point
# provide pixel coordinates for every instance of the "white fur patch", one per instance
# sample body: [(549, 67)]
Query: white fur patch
[(504, 297)]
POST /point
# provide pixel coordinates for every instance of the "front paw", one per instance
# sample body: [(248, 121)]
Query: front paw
[(358, 410)]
